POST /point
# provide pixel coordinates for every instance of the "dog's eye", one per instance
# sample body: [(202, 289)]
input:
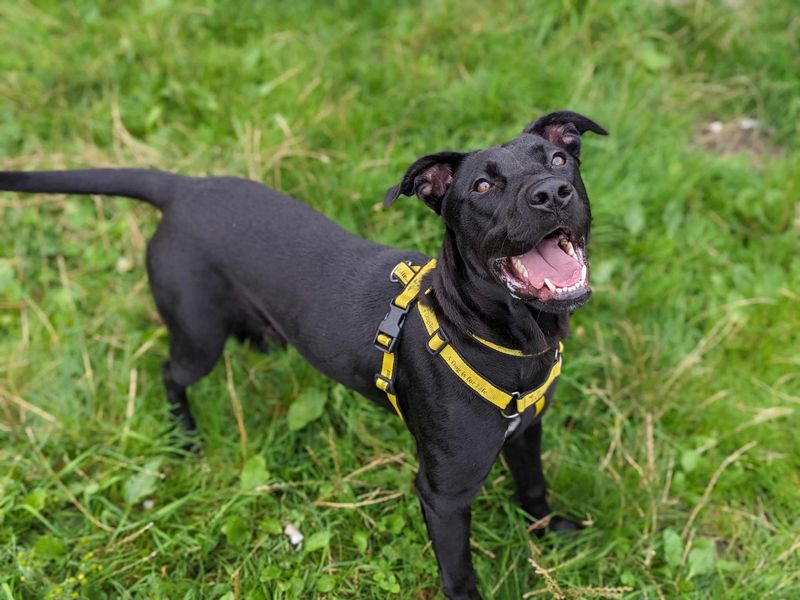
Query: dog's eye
[(558, 160), (482, 186)]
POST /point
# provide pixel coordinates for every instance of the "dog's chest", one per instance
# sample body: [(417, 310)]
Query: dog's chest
[(512, 426)]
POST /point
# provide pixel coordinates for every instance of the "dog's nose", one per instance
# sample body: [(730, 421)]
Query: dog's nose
[(552, 193)]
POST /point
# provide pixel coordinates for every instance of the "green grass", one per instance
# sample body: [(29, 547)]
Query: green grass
[(675, 429)]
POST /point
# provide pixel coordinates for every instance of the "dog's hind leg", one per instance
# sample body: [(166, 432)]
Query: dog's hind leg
[(178, 399), (194, 304), (197, 334)]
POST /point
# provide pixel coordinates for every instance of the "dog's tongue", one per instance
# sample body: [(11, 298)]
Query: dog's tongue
[(549, 260)]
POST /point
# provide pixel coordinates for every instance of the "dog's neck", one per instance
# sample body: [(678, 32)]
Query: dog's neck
[(469, 300)]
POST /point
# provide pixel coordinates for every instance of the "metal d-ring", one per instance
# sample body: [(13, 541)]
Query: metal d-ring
[(515, 396), (393, 277)]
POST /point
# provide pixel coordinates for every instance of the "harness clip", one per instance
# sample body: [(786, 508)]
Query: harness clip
[(389, 330)]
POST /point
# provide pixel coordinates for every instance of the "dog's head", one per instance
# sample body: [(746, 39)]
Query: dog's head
[(519, 212)]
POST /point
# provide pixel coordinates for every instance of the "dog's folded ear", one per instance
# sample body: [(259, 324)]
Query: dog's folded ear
[(429, 178), (564, 128)]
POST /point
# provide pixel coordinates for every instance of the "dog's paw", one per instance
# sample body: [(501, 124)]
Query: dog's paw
[(554, 524), (185, 445), (559, 524)]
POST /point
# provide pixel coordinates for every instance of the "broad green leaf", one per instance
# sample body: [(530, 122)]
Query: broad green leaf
[(361, 540), (702, 559), (689, 460), (308, 407), (236, 531), (296, 586), (269, 573), (318, 541), (387, 582), (142, 483), (271, 526), (627, 578), (673, 547), (652, 58), (9, 286), (396, 523), (326, 583), (49, 546), (254, 473), (36, 499)]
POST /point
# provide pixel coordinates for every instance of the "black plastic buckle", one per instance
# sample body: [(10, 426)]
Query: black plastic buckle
[(391, 326), (389, 384), (445, 340)]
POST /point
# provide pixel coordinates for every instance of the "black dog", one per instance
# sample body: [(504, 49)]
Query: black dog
[(232, 256)]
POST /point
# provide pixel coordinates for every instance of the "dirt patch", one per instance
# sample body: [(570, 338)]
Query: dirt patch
[(740, 136)]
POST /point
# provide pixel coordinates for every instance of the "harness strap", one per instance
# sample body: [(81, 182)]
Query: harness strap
[(384, 381), (498, 347), (404, 272), (439, 344), (388, 335)]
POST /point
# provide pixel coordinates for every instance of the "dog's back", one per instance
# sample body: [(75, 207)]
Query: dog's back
[(234, 257)]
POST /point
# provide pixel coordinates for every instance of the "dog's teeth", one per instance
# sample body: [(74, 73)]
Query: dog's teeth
[(571, 250), (520, 268), (583, 274), (549, 284)]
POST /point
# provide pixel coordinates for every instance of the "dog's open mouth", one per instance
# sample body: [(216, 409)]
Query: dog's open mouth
[(555, 269)]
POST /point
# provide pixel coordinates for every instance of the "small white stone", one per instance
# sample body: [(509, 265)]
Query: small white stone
[(124, 264), (294, 535), (747, 124)]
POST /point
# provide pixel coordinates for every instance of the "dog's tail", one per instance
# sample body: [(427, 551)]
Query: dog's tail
[(152, 186)]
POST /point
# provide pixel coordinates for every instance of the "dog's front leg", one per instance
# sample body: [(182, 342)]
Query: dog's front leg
[(523, 453), (447, 517)]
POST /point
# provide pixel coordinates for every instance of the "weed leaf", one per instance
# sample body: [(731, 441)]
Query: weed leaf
[(143, 483), (673, 547), (318, 541), (308, 407), (236, 531), (254, 473), (50, 547)]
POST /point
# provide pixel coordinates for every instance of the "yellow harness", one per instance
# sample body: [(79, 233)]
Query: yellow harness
[(388, 335)]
